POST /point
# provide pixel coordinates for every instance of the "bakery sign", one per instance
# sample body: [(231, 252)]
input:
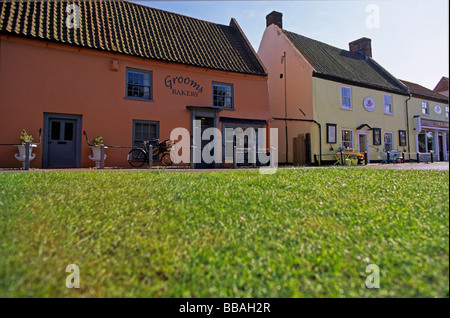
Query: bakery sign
[(369, 104), (184, 86), (438, 109)]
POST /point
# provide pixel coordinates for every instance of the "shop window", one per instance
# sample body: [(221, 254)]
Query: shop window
[(388, 141), (139, 84), (388, 104), (346, 97), (425, 108), (223, 95), (145, 131), (347, 138)]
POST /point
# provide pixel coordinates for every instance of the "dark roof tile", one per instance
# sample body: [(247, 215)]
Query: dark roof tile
[(340, 64)]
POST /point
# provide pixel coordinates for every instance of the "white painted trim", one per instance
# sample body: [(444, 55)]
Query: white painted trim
[(353, 139), (351, 98)]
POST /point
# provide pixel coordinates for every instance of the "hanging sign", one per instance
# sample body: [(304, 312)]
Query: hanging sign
[(438, 109), (369, 104)]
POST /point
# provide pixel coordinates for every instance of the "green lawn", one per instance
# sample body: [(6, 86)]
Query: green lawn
[(297, 233)]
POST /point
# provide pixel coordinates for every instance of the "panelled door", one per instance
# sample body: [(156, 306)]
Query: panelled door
[(62, 141)]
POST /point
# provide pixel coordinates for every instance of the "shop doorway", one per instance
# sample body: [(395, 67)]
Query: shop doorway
[(61, 141), (206, 146), (363, 144), (441, 147)]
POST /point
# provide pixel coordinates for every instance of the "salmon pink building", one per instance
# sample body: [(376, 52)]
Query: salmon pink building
[(124, 71)]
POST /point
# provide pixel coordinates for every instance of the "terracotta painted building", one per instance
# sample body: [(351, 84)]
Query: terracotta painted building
[(121, 70), (324, 98)]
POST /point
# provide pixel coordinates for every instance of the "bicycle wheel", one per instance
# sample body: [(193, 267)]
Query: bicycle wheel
[(137, 157), (166, 160)]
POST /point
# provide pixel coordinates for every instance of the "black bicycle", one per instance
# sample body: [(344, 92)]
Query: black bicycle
[(137, 157)]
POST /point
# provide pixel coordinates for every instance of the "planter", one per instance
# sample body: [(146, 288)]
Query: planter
[(348, 161), (21, 155), (354, 162), (96, 155)]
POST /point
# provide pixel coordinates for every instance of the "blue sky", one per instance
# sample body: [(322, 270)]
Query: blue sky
[(411, 40)]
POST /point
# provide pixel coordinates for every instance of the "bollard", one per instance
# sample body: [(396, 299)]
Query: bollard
[(102, 156), (388, 157), (150, 156), (192, 157), (234, 157), (365, 158), (342, 158), (27, 155), (254, 157), (403, 157), (272, 157), (431, 155), (418, 158)]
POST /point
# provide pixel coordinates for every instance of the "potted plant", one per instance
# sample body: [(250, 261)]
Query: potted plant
[(96, 145), (24, 138)]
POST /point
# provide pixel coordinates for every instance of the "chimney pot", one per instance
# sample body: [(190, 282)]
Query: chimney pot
[(274, 18), (363, 45)]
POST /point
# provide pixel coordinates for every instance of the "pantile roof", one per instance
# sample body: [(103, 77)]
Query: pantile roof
[(133, 29)]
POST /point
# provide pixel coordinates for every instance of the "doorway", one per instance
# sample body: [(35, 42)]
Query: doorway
[(61, 141), (363, 144), (206, 145), (441, 147)]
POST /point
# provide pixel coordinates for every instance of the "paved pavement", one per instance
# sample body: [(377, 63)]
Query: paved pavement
[(410, 166), (397, 166)]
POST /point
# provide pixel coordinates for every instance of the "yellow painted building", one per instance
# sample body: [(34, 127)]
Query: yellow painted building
[(325, 99)]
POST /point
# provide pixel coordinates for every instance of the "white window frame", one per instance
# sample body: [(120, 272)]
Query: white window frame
[(349, 98), (384, 140), (427, 108), (342, 138), (391, 111), (446, 111)]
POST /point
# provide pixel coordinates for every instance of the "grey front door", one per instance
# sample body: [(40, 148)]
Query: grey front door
[(62, 140), (61, 143)]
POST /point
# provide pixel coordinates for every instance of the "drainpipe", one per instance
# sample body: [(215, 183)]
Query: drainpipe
[(283, 60), (407, 126)]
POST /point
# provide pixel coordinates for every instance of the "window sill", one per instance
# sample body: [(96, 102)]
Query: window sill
[(390, 114), (138, 99), (346, 108)]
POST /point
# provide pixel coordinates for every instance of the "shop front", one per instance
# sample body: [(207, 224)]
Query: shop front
[(432, 137)]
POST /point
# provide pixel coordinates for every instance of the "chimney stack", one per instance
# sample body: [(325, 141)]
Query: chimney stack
[(275, 18), (363, 45)]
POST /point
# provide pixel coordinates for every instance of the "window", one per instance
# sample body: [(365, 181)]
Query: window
[(425, 108), (139, 84), (446, 113), (223, 95), (144, 131), (388, 104), (402, 138), (347, 138), (346, 97), (388, 141), (331, 133), (376, 136)]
